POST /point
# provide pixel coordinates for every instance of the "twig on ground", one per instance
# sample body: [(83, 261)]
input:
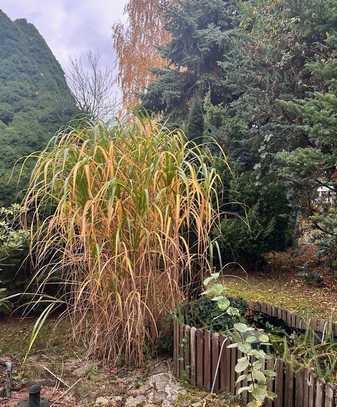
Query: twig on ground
[(56, 377)]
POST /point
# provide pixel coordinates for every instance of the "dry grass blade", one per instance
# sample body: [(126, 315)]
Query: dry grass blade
[(120, 205)]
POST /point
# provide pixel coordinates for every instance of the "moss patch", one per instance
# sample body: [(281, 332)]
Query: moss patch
[(287, 292)]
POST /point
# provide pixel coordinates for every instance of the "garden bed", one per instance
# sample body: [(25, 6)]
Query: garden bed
[(203, 359)]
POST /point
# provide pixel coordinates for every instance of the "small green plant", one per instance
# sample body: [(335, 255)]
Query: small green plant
[(250, 342), (314, 351)]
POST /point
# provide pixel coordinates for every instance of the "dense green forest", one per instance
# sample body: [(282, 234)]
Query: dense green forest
[(260, 78), (34, 101)]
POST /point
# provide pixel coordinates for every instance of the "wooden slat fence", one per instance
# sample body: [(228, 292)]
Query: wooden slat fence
[(291, 319), (203, 358)]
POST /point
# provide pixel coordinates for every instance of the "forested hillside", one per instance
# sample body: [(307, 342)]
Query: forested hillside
[(34, 100)]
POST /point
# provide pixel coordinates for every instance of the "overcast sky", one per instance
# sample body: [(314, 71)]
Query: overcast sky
[(71, 27)]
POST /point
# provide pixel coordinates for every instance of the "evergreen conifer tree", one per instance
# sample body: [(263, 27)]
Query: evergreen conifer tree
[(195, 125)]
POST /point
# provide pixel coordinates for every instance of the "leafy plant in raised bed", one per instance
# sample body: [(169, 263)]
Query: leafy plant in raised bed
[(250, 342), (314, 351)]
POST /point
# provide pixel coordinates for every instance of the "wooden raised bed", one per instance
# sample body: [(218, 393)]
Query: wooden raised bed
[(202, 358), (291, 319)]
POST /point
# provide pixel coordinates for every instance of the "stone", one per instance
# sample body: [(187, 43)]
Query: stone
[(116, 401), (164, 389), (138, 401), (102, 401)]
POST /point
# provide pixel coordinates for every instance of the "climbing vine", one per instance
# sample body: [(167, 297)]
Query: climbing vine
[(254, 377)]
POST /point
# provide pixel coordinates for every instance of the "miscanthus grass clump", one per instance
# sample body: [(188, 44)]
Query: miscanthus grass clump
[(120, 218)]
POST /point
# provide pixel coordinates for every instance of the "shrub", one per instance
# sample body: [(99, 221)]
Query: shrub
[(258, 220), (124, 198), (13, 250)]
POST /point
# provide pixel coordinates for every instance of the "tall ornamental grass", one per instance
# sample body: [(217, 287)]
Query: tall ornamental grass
[(112, 212)]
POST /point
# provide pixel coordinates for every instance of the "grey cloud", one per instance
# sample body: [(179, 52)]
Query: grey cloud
[(71, 27)]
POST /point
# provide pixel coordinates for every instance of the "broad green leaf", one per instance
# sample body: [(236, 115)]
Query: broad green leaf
[(242, 365), (223, 304), (245, 347), (260, 392), (259, 376), (257, 364), (232, 311), (215, 290), (251, 339), (259, 354), (264, 338), (240, 327)]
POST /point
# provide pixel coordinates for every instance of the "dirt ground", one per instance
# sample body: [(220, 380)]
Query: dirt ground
[(69, 379)]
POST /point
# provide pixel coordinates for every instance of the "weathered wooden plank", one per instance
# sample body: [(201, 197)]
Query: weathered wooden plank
[(245, 394), (228, 367), (284, 315), (178, 349), (305, 388), (279, 383), (181, 351), (279, 313), (199, 358), (234, 359), (319, 396), (312, 389), (223, 363), (193, 357), (299, 388), (268, 309), (237, 387), (296, 321), (207, 360), (289, 386), (175, 365), (270, 365), (293, 321), (187, 351), (329, 395), (215, 361), (300, 323)]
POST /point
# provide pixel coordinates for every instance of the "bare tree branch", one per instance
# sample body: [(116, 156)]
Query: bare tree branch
[(93, 87)]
